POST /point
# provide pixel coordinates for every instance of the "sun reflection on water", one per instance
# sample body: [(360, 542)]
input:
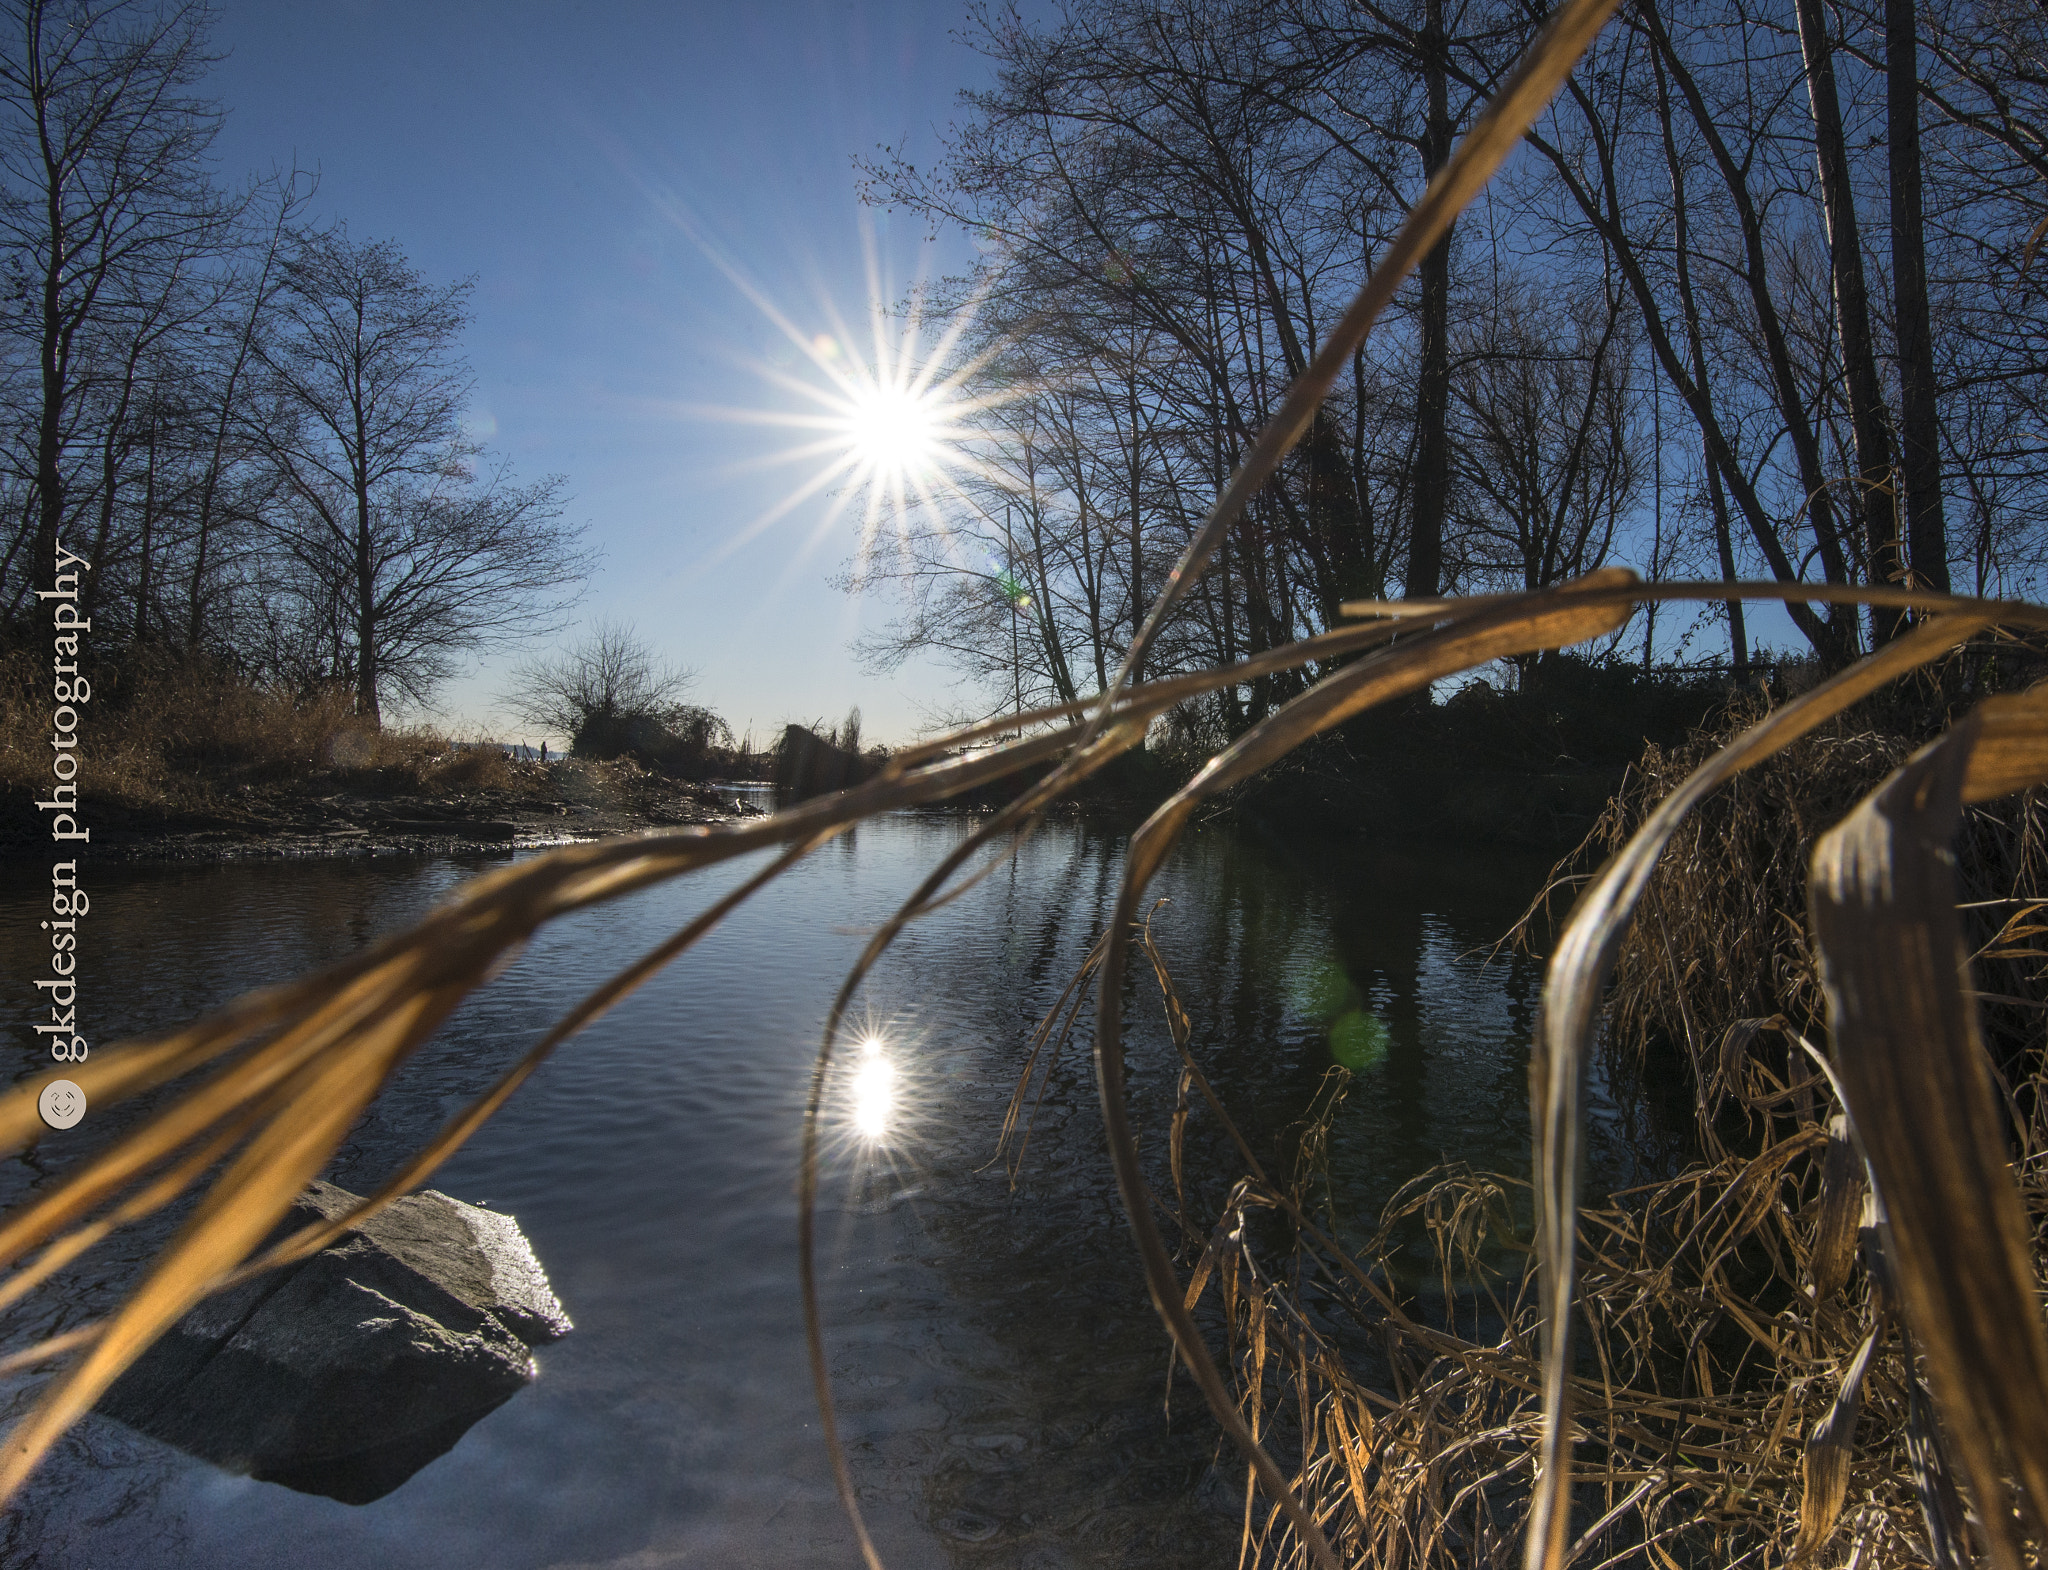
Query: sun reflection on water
[(874, 1090)]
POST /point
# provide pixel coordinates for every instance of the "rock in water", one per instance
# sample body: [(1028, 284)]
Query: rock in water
[(347, 1373)]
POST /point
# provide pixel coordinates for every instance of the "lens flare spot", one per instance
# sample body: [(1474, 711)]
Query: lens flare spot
[(874, 1090)]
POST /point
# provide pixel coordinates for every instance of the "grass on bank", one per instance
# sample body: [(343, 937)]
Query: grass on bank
[(173, 736)]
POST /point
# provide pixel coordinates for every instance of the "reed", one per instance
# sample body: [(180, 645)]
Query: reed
[(271, 1084)]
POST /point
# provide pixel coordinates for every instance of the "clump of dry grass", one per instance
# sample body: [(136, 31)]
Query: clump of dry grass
[(182, 735), (1719, 945), (1747, 1387), (1722, 1321)]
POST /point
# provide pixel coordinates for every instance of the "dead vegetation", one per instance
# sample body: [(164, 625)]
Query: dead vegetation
[(1746, 1391), (173, 738)]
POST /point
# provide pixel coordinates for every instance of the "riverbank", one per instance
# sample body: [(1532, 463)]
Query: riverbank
[(390, 811), (198, 764)]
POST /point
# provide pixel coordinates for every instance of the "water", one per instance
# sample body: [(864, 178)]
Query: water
[(1000, 1373)]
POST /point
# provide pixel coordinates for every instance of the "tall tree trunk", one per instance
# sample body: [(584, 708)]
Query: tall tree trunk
[(54, 356), (1832, 639), (1681, 240), (1433, 381), (1876, 491), (1837, 645), (1135, 477), (1919, 428), (139, 632), (365, 610)]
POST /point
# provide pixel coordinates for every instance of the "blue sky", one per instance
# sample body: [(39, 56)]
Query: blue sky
[(578, 160)]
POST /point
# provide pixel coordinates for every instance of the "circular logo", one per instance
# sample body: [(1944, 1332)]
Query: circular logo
[(62, 1104)]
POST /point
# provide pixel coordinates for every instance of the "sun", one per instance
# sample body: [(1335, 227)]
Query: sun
[(890, 426), (874, 1090), (890, 431), (896, 433)]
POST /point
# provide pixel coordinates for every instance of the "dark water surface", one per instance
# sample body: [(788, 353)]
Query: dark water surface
[(1000, 1373)]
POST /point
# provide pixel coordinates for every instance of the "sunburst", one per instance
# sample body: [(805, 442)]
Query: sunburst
[(892, 430)]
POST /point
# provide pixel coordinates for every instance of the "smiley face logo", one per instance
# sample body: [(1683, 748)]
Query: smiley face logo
[(62, 1104)]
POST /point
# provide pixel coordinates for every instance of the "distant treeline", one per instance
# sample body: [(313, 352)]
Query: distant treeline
[(252, 427)]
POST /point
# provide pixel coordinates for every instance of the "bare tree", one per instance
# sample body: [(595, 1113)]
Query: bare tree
[(365, 431), (104, 202), (1550, 453), (600, 686)]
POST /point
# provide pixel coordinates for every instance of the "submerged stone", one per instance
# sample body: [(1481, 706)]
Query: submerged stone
[(347, 1373)]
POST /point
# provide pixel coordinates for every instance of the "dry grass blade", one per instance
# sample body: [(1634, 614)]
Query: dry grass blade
[(2010, 749), (1018, 819), (1826, 1461), (1841, 1205), (1941, 1509), (1572, 994), (1919, 1089), (319, 1050), (247, 1201), (373, 1010)]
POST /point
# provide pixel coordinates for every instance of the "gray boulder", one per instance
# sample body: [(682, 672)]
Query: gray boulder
[(347, 1373)]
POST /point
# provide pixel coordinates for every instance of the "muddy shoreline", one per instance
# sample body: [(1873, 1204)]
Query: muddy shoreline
[(366, 813)]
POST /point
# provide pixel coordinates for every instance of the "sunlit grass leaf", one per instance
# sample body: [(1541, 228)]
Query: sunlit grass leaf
[(1919, 1089)]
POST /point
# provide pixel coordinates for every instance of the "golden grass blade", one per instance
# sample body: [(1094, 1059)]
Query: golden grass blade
[(151, 1198), (272, 1067), (350, 1010), (2011, 748), (455, 1133), (2016, 613), (1941, 1508), (1825, 1464), (1019, 818), (1841, 1206), (361, 1020), (1918, 1085), (243, 1206), (1047, 1041), (52, 1347), (1577, 977)]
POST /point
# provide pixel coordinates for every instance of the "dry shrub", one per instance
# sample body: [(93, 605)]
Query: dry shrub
[(1719, 935), (1743, 1394), (166, 736), (475, 768), (1707, 1370)]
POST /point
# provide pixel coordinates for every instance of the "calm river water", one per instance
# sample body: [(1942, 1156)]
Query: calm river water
[(1000, 1372)]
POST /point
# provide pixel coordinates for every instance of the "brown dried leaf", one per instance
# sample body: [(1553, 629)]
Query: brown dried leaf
[(1919, 1090)]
